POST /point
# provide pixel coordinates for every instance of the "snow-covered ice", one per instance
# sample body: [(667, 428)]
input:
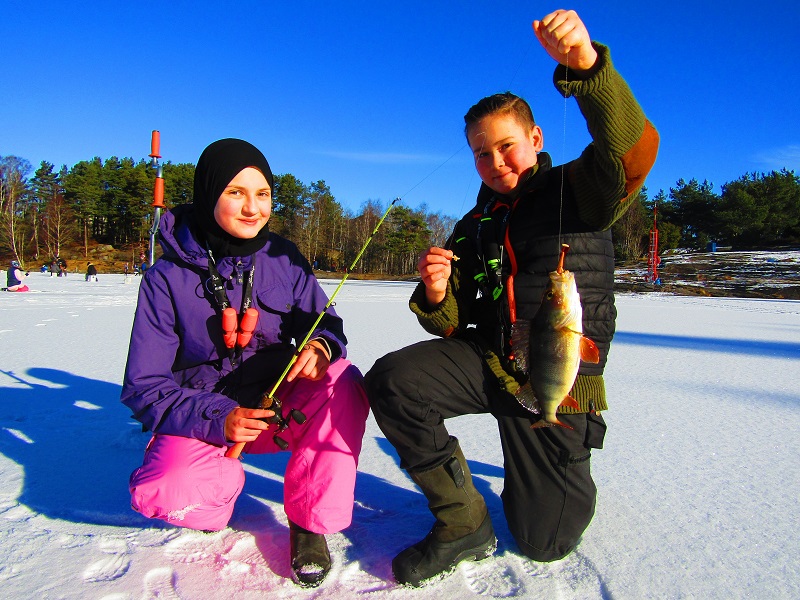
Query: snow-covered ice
[(698, 482)]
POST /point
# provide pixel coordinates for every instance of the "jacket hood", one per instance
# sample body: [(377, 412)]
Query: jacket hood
[(176, 237)]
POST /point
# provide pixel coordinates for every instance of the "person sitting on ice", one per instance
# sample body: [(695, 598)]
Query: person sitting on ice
[(15, 277)]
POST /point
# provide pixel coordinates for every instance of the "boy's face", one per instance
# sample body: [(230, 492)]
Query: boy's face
[(504, 150)]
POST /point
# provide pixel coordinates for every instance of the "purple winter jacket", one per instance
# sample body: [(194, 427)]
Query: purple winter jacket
[(178, 378)]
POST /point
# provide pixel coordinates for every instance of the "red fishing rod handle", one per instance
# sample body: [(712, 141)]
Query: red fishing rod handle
[(155, 144), (158, 193)]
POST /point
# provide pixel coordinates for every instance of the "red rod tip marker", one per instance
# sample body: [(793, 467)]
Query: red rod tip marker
[(155, 144)]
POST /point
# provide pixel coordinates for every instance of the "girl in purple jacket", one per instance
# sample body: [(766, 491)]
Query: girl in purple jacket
[(197, 387)]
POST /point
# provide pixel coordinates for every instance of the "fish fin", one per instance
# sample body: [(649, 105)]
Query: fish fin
[(570, 401), (527, 398), (589, 351), (520, 343), (541, 423)]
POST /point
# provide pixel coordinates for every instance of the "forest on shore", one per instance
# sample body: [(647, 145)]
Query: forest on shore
[(46, 212)]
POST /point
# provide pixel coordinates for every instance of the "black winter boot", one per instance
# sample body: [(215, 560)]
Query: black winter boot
[(310, 557), (463, 529)]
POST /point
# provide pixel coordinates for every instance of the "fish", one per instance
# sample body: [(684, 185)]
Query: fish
[(550, 347)]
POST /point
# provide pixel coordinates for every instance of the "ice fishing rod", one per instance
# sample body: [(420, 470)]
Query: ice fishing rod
[(158, 193), (268, 399)]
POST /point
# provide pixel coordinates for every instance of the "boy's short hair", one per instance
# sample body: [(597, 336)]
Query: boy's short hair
[(505, 103)]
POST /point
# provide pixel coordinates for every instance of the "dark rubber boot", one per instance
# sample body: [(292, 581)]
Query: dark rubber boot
[(463, 529), (310, 557)]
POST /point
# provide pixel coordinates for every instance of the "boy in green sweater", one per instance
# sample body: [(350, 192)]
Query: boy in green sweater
[(507, 245)]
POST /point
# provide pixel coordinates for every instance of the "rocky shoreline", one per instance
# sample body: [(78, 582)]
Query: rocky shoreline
[(761, 274)]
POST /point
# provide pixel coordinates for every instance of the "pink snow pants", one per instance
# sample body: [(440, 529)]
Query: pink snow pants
[(189, 483)]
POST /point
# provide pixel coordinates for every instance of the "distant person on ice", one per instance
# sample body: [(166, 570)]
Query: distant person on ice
[(91, 272), (507, 245), (14, 278), (197, 395)]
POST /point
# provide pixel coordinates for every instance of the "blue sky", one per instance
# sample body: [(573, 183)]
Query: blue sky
[(370, 96)]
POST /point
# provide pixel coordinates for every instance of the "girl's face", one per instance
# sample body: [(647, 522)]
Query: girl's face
[(244, 207), (504, 150)]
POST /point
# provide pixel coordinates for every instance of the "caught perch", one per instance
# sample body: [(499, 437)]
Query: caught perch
[(551, 346)]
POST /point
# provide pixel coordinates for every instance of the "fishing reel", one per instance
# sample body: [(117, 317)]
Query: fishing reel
[(274, 404)]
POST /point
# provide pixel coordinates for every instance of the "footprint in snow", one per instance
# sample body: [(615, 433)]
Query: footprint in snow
[(572, 577), (492, 577), (161, 584), (582, 578), (70, 541), (190, 547), (113, 565)]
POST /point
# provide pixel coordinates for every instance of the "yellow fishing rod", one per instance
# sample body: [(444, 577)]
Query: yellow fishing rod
[(268, 399)]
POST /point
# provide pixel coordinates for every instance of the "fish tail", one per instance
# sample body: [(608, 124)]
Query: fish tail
[(548, 421), (541, 423)]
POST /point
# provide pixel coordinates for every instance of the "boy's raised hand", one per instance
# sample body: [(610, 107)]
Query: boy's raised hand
[(566, 39)]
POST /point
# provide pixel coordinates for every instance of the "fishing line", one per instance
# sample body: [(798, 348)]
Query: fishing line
[(421, 181), (521, 62), (563, 156), (464, 199)]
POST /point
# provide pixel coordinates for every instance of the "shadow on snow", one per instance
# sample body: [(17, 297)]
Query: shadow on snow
[(77, 445), (751, 347)]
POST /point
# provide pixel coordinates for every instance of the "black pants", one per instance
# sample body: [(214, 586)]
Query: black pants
[(548, 496)]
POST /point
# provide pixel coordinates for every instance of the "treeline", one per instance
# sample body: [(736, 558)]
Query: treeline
[(109, 202), (755, 211)]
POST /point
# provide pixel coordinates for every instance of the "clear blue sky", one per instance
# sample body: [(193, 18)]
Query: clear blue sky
[(370, 96)]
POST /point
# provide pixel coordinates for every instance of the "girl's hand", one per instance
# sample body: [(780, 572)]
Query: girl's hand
[(564, 36), (434, 268), (242, 424), (312, 362)]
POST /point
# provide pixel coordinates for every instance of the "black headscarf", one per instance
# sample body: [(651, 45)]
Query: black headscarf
[(219, 163)]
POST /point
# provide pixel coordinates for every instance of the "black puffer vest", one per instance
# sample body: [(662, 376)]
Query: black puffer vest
[(537, 215)]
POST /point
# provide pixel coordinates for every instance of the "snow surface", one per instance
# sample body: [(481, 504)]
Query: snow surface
[(698, 482)]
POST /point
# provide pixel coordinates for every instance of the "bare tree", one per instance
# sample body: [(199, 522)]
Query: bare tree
[(13, 190), (58, 223)]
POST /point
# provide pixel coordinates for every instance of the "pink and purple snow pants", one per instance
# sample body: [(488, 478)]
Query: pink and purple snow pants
[(192, 484)]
